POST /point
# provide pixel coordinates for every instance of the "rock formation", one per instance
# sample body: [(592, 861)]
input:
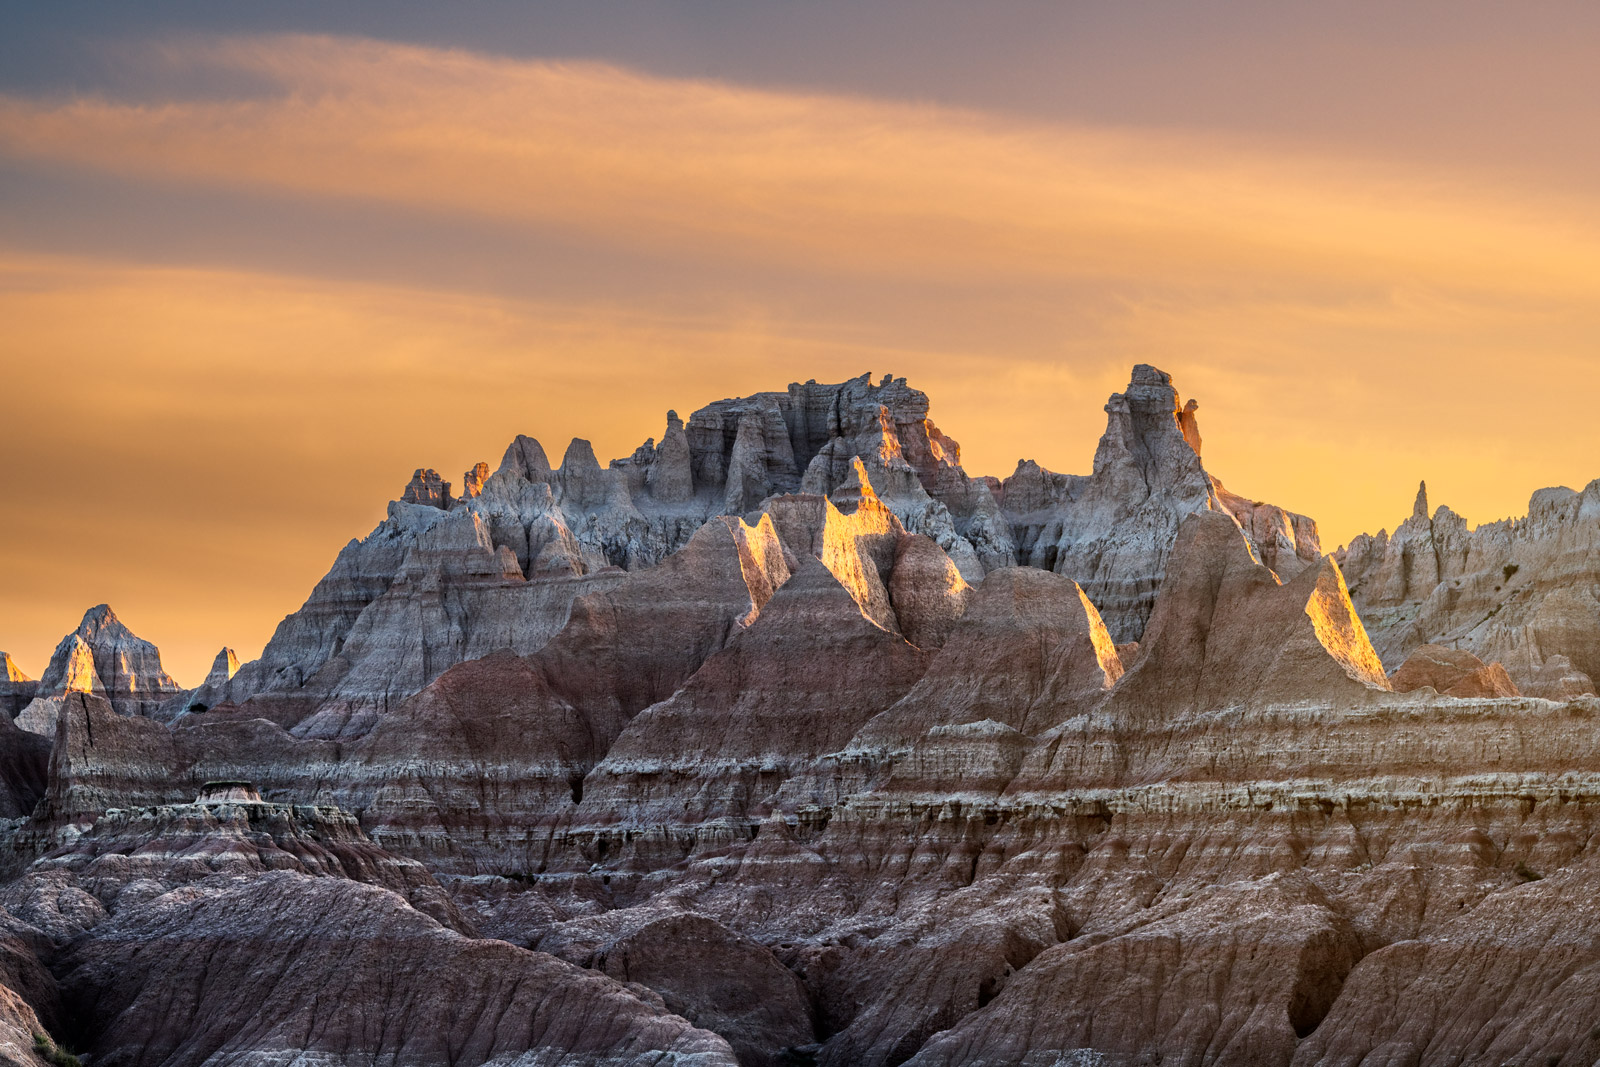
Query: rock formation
[(1111, 531), (1452, 672), (785, 741), (24, 759), (101, 656), (721, 747), (1227, 632), (446, 579), (260, 963), (1029, 652), (701, 970), (1520, 592), (214, 690)]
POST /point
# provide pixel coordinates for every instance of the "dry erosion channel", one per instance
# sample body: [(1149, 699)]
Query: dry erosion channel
[(785, 741)]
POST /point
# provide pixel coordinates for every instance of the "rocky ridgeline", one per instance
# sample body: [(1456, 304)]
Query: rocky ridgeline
[(785, 742), (447, 578), (1524, 592)]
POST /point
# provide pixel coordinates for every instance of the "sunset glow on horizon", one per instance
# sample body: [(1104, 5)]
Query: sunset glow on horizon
[(255, 275)]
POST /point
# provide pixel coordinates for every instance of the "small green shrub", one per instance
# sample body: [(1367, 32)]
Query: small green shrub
[(1508, 570), (52, 1053)]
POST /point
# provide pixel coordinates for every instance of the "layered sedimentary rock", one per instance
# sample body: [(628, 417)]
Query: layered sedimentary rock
[(1263, 957), (751, 745), (248, 910), (1521, 592), (1111, 530), (701, 970), (722, 746), (1227, 633), (445, 579), (101, 656), (511, 740), (1508, 982), (428, 589), (135, 854), (1029, 652), (289, 966)]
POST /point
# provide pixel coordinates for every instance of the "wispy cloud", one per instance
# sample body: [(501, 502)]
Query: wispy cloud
[(840, 183), (1348, 327)]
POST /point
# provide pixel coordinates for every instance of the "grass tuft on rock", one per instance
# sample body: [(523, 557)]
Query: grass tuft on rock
[(52, 1053)]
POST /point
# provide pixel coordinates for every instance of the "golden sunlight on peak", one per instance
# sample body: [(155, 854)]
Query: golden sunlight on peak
[(1339, 628)]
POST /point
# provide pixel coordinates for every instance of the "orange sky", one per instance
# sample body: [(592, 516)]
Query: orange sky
[(236, 321)]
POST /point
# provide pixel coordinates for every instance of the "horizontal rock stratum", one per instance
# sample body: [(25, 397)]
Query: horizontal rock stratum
[(786, 741)]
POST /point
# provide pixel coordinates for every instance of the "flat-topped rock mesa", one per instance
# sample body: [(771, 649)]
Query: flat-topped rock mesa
[(1521, 592), (101, 656), (447, 578)]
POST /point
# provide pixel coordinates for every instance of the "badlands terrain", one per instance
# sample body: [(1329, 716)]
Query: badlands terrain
[(785, 741)]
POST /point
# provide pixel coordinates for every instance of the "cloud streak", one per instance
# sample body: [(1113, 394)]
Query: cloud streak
[(1348, 327), (835, 183)]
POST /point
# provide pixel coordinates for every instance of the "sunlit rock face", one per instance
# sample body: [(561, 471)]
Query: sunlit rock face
[(104, 657), (1029, 652), (721, 747), (1228, 632), (766, 746), (1521, 592)]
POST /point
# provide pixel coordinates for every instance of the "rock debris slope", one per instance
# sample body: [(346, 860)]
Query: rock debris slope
[(785, 741)]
